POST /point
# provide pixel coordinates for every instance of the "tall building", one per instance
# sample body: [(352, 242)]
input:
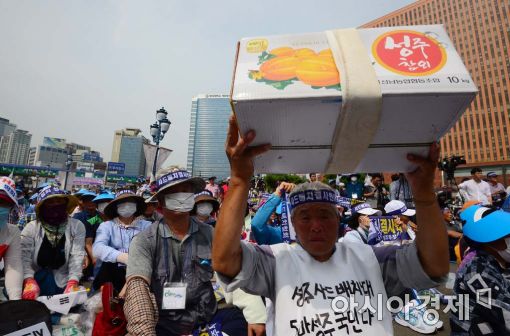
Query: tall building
[(14, 143), (31, 156), (53, 157), (6, 127), (208, 131), (479, 29), (128, 148), (54, 152), (15, 147)]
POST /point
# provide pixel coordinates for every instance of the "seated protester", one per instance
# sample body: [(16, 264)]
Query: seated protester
[(454, 232), (261, 224), (151, 213), (291, 274), (113, 237), (401, 213), (205, 207), (254, 317), (101, 202), (360, 223), (89, 210), (10, 246), (172, 251), (483, 276), (30, 212), (52, 246), (17, 214), (78, 194), (253, 308)]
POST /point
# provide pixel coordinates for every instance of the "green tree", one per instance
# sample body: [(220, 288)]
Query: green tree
[(272, 180)]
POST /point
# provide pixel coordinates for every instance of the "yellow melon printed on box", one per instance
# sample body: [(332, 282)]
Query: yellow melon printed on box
[(409, 53), (283, 66)]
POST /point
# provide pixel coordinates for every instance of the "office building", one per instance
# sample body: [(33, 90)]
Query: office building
[(31, 156), (128, 148), (15, 147), (53, 157), (6, 127), (54, 152), (480, 32), (208, 131)]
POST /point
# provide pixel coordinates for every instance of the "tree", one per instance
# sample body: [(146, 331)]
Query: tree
[(273, 180)]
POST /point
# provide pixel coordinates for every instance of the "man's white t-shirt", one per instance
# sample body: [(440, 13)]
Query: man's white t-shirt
[(474, 191), (303, 290)]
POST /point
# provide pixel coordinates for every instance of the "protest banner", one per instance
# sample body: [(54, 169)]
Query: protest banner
[(384, 229)]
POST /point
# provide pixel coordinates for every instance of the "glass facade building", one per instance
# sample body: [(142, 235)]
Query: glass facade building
[(128, 148), (208, 131), (131, 153)]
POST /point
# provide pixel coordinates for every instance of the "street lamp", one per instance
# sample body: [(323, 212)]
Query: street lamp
[(69, 162), (158, 131)]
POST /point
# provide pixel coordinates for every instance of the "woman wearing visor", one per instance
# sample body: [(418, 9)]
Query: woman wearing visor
[(360, 223)]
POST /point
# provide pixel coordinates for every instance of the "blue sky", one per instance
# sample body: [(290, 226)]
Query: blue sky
[(81, 69)]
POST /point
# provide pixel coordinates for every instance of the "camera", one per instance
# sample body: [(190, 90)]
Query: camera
[(448, 165)]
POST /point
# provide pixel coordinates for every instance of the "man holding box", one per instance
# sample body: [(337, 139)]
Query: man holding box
[(317, 284)]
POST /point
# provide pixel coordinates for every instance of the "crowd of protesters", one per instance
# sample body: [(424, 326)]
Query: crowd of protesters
[(188, 256)]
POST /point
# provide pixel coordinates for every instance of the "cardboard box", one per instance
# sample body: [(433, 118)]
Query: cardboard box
[(288, 89)]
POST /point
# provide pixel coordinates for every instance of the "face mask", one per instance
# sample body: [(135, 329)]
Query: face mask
[(55, 214), (127, 209), (204, 209), (101, 207), (4, 215), (180, 202), (505, 254), (354, 179)]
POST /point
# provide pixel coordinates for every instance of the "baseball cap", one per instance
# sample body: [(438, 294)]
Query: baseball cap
[(397, 207), (365, 209), (485, 224), (492, 174), (8, 190)]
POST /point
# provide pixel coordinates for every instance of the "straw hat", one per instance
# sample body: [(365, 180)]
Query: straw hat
[(125, 196), (206, 196), (171, 177), (50, 192)]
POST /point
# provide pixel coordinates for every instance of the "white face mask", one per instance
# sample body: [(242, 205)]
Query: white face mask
[(127, 209), (204, 209), (354, 179), (180, 202), (101, 207), (505, 254)]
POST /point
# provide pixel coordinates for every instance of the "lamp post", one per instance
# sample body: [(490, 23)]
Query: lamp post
[(69, 162), (158, 131)]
